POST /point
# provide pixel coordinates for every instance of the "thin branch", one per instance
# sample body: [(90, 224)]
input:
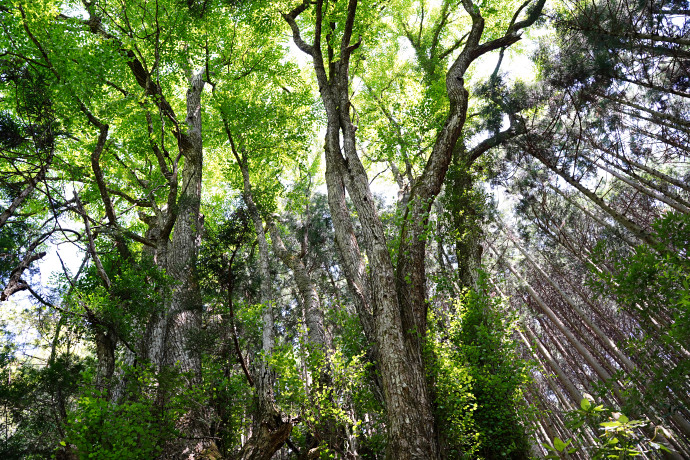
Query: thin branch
[(92, 246)]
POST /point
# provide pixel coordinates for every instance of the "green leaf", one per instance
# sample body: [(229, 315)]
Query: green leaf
[(657, 446), (558, 444), (585, 404), (614, 424), (548, 447)]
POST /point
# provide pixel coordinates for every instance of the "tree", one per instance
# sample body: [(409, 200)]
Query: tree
[(397, 299), (224, 291)]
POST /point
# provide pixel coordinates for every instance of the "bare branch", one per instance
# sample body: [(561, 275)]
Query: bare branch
[(91, 245), (296, 36)]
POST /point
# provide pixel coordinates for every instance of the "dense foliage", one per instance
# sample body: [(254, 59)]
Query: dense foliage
[(478, 376)]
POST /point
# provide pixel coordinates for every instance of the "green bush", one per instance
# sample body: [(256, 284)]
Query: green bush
[(136, 428), (478, 377)]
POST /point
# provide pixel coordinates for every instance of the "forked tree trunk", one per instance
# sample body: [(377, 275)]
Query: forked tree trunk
[(398, 292), (167, 339)]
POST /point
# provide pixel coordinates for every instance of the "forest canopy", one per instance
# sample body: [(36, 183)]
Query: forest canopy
[(393, 229)]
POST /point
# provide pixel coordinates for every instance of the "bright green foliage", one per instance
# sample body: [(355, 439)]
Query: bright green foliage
[(559, 447), (617, 436), (292, 388), (266, 120), (323, 401), (63, 61), (133, 429), (478, 377), (353, 383)]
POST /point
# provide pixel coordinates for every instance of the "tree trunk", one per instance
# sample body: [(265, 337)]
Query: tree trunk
[(676, 204), (183, 317), (463, 208), (573, 391), (631, 226), (269, 431), (327, 429), (603, 338), (601, 372), (652, 171)]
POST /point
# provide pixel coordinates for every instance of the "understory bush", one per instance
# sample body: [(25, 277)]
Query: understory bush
[(478, 377)]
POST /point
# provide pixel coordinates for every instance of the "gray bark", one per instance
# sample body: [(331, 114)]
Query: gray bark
[(310, 297), (183, 315), (175, 232)]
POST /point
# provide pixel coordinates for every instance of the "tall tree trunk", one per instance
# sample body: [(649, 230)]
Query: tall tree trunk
[(579, 346), (631, 226), (168, 339), (310, 297), (327, 430), (270, 431), (676, 203), (603, 338), (564, 379), (183, 315)]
